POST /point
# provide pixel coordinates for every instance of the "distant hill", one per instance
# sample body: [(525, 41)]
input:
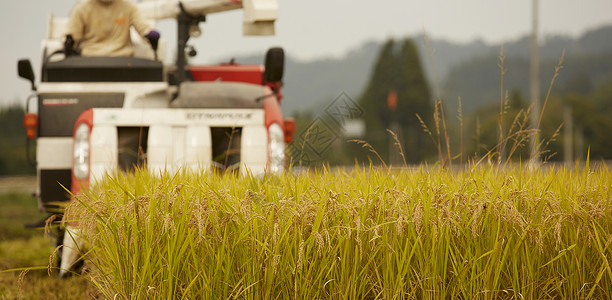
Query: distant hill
[(587, 63), (469, 70), (311, 84)]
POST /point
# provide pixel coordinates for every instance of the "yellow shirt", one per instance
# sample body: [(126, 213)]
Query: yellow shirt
[(103, 29)]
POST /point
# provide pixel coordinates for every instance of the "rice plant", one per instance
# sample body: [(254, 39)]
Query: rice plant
[(367, 233)]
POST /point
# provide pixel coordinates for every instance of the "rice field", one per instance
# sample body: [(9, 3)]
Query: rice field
[(367, 233), (24, 253)]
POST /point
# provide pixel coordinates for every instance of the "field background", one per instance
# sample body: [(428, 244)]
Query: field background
[(23, 248)]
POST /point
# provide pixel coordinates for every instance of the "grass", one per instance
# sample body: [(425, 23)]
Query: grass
[(490, 233), (17, 210), (27, 249)]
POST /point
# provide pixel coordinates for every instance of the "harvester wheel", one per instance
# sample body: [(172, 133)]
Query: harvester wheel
[(275, 64)]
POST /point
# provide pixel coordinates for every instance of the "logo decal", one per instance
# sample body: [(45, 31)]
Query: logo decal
[(218, 115), (60, 101)]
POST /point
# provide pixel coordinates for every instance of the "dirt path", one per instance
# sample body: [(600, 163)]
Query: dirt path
[(18, 184)]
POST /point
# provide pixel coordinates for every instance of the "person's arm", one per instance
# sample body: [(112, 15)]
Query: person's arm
[(139, 23), (74, 32), (143, 28), (76, 22)]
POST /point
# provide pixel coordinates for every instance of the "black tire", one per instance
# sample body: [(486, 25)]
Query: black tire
[(275, 65)]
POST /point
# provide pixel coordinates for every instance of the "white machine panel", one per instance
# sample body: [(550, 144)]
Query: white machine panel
[(104, 151), (179, 117), (54, 153), (254, 154), (178, 138), (159, 150), (198, 145)]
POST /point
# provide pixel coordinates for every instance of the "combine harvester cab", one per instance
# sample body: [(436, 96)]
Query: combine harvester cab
[(100, 115)]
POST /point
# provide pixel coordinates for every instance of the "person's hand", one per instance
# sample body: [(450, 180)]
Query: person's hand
[(69, 46), (153, 37)]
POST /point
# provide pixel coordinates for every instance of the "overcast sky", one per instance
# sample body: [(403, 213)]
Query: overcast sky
[(310, 29)]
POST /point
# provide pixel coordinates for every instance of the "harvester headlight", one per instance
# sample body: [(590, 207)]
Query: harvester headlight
[(80, 159), (276, 148)]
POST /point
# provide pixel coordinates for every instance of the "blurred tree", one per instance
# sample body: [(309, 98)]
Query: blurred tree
[(592, 118), (414, 98), (579, 83), (517, 101), (592, 123), (13, 159), (398, 72), (373, 100), (481, 129)]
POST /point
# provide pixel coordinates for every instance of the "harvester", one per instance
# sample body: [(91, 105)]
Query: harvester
[(94, 116)]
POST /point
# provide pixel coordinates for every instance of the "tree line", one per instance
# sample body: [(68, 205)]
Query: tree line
[(579, 108), (13, 160)]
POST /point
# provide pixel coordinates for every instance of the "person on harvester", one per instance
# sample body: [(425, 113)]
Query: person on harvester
[(102, 28)]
